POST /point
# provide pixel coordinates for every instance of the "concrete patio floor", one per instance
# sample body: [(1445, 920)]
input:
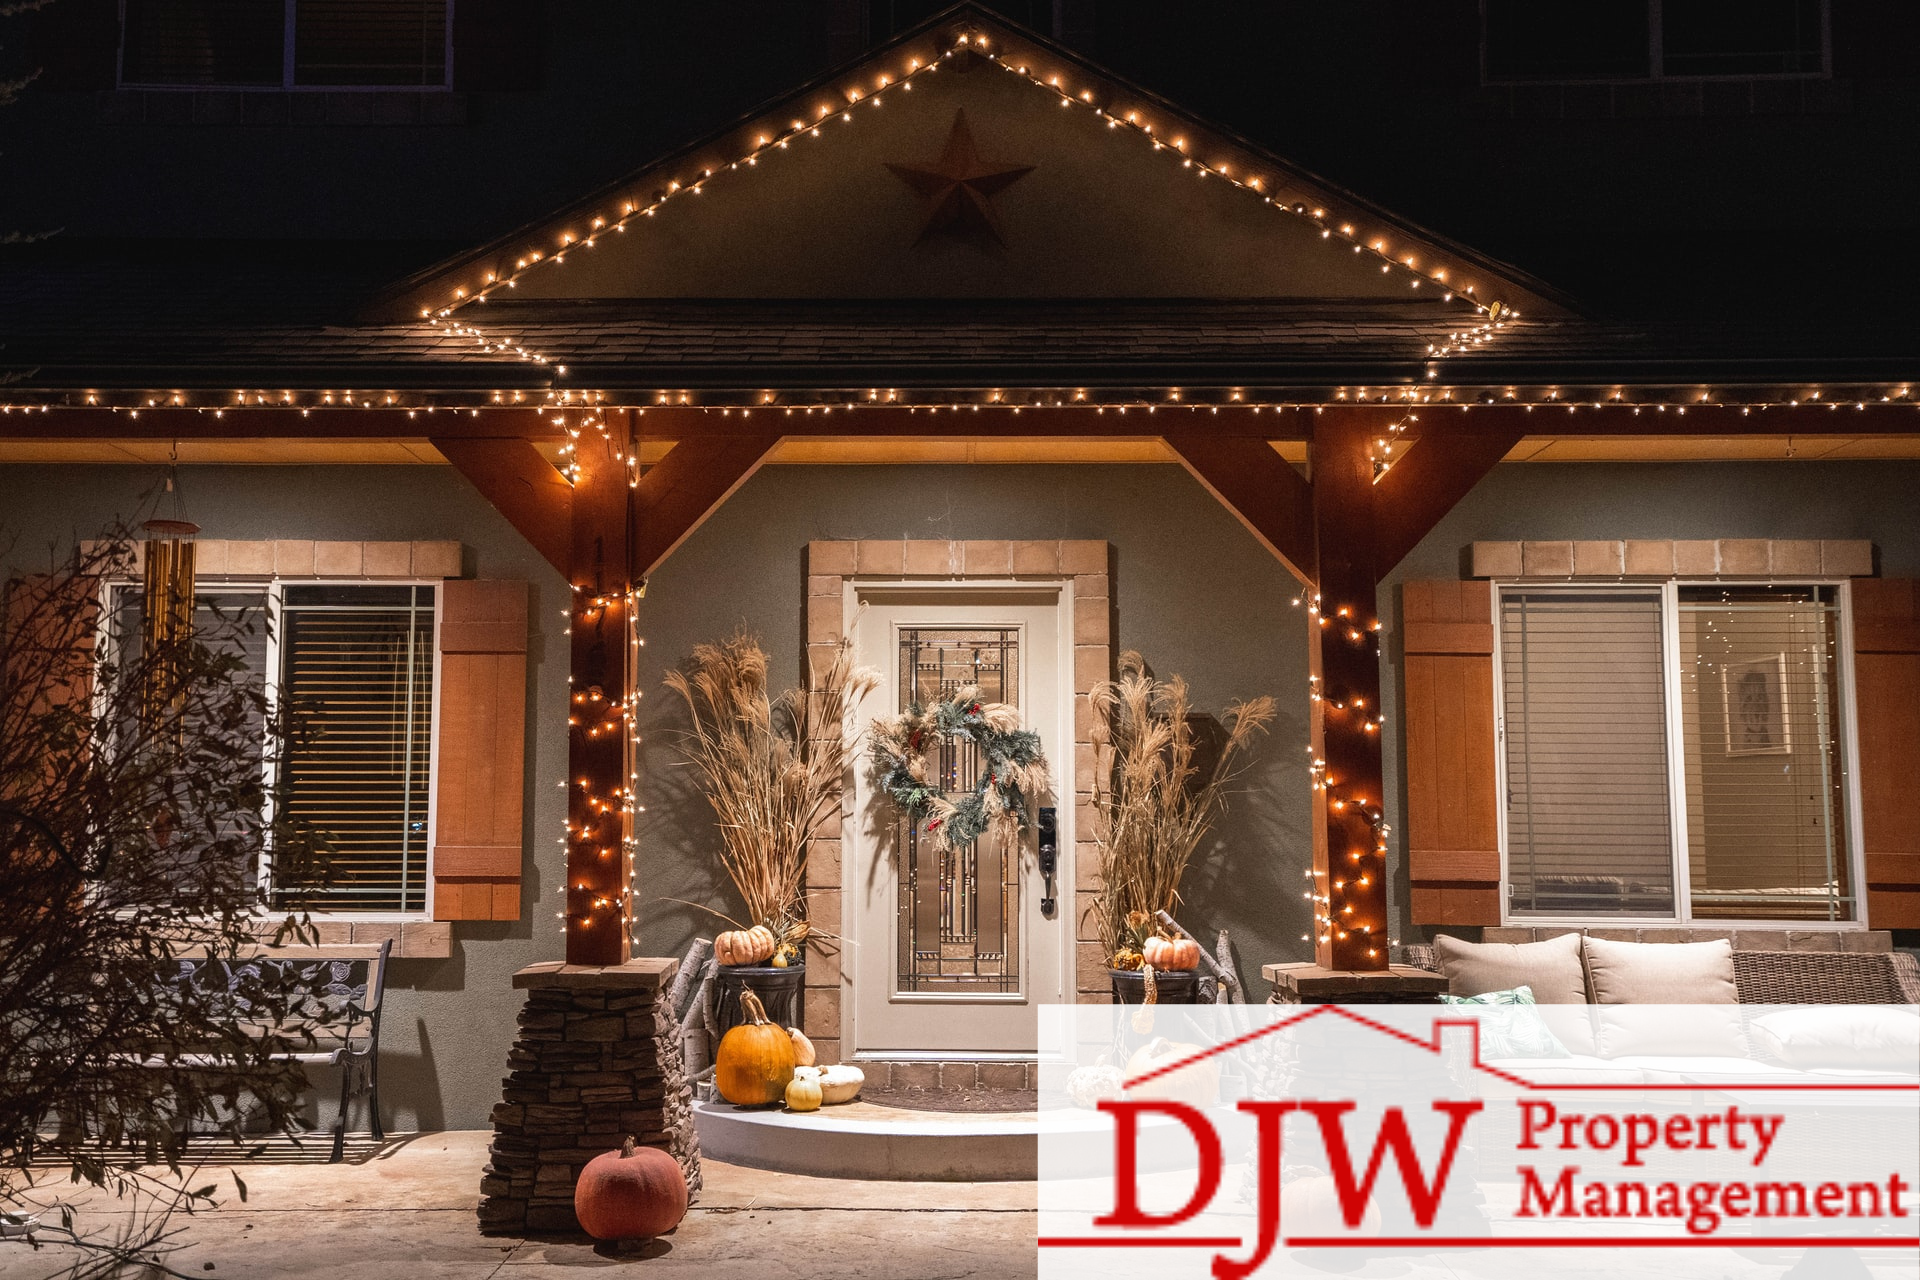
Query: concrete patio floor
[(405, 1211)]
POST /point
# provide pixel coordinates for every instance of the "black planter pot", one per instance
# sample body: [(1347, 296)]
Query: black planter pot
[(779, 989), (1176, 987)]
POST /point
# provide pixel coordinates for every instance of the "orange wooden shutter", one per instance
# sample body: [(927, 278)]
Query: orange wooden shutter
[(1453, 834), (1886, 681), (477, 846), (52, 623)]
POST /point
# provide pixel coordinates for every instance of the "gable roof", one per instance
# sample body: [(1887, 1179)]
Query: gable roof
[(806, 125)]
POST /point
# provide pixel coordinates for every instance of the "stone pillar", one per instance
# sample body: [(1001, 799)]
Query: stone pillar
[(597, 1058)]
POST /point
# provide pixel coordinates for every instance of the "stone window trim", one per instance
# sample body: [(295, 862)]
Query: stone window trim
[(1085, 564), (1617, 558), (297, 558), (415, 937)]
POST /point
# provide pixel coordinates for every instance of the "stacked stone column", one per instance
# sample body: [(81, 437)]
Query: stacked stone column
[(597, 1058)]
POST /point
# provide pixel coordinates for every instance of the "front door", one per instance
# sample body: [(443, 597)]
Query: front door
[(950, 952)]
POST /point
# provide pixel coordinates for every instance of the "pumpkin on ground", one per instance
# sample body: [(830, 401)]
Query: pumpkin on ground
[(630, 1193), (1197, 1084), (1311, 1207), (745, 946), (803, 1091), (754, 1062), (803, 1054), (1171, 954)]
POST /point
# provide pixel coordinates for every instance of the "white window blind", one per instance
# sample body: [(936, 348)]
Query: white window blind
[(1760, 693), (1712, 786), (357, 667), (1589, 830)]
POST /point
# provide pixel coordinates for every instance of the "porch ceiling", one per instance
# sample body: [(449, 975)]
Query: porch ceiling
[(854, 450)]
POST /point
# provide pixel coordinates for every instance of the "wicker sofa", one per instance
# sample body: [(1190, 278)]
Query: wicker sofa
[(1799, 977)]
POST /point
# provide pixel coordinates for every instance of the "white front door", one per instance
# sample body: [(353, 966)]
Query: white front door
[(950, 953)]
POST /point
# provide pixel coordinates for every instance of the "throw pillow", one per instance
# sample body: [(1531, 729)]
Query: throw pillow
[(1551, 969), (1641, 983), (1509, 1025)]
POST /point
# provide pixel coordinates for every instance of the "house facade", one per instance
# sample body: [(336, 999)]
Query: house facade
[(975, 353)]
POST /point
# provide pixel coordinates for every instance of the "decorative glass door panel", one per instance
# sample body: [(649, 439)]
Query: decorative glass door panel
[(959, 908), (947, 951)]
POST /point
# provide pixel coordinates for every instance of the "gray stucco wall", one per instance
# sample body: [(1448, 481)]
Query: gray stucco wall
[(1192, 590)]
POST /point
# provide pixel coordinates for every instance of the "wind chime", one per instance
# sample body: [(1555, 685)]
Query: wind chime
[(168, 622)]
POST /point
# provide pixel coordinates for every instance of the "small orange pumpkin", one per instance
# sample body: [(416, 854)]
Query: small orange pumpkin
[(754, 1062), (745, 946), (630, 1193), (1170, 954)]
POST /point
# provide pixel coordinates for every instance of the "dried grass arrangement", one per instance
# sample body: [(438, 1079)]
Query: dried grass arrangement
[(771, 767), (1156, 794)]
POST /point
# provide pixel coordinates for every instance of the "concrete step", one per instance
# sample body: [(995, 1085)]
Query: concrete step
[(864, 1140)]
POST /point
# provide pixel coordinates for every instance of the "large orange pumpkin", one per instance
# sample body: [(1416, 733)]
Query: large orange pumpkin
[(630, 1193), (754, 1062)]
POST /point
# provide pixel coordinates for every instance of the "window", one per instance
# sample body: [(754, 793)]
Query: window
[(285, 44), (1674, 751), (356, 662), (1526, 40)]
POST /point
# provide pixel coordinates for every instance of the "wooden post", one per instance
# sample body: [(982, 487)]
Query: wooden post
[(1349, 845), (598, 869)]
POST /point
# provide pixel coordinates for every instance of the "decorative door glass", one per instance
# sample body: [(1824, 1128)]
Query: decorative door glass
[(959, 909)]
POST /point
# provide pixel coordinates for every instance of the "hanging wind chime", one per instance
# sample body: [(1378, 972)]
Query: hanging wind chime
[(168, 557)]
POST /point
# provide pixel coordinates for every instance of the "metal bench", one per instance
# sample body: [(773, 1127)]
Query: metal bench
[(341, 989)]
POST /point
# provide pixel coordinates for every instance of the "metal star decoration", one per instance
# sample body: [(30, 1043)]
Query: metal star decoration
[(959, 186)]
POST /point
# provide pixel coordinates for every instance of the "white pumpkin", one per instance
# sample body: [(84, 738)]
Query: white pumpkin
[(840, 1083)]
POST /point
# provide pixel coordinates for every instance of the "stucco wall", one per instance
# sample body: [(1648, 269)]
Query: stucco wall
[(1192, 590)]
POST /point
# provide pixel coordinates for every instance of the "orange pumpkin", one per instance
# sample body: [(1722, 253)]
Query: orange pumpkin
[(1311, 1207), (745, 946), (1169, 954), (754, 1062), (630, 1193)]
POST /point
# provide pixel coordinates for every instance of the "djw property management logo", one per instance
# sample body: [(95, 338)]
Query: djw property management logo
[(1234, 1141)]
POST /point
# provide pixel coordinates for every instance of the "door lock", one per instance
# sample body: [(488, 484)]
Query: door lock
[(1049, 855)]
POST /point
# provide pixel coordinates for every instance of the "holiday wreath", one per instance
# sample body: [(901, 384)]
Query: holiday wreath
[(1012, 767)]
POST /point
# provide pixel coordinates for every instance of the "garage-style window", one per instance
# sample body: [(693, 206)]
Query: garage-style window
[(286, 44), (1674, 751)]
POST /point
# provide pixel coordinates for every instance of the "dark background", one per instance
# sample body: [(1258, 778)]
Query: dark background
[(1791, 196)]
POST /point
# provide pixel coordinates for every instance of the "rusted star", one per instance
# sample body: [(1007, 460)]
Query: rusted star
[(958, 187)]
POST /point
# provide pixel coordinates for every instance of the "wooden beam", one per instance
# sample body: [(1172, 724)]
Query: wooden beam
[(1260, 488), (680, 491), (523, 486), (267, 422), (600, 675), (1429, 480), (680, 422), (1350, 870)]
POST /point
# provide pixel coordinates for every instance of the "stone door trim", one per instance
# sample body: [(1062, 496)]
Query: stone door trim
[(1085, 563)]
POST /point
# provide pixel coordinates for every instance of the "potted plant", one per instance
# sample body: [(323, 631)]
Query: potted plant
[(1158, 787), (771, 767)]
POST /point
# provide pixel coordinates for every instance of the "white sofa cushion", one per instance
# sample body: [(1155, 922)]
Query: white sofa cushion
[(1660, 972), (1861, 1037)]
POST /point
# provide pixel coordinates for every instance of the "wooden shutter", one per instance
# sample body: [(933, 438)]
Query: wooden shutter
[(1453, 841), (76, 45), (52, 623), (481, 775), (1886, 681), (498, 44)]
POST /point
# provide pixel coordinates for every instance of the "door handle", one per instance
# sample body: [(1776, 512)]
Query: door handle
[(1049, 855)]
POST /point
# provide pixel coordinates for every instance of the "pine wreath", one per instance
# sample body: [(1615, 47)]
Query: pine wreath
[(1013, 770)]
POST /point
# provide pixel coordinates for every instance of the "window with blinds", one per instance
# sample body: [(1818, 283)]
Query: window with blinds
[(1674, 751), (1589, 831), (356, 663), (285, 43)]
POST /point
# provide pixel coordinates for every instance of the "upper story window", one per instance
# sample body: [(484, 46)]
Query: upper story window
[(1527, 40), (286, 44), (1675, 752), (356, 662)]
